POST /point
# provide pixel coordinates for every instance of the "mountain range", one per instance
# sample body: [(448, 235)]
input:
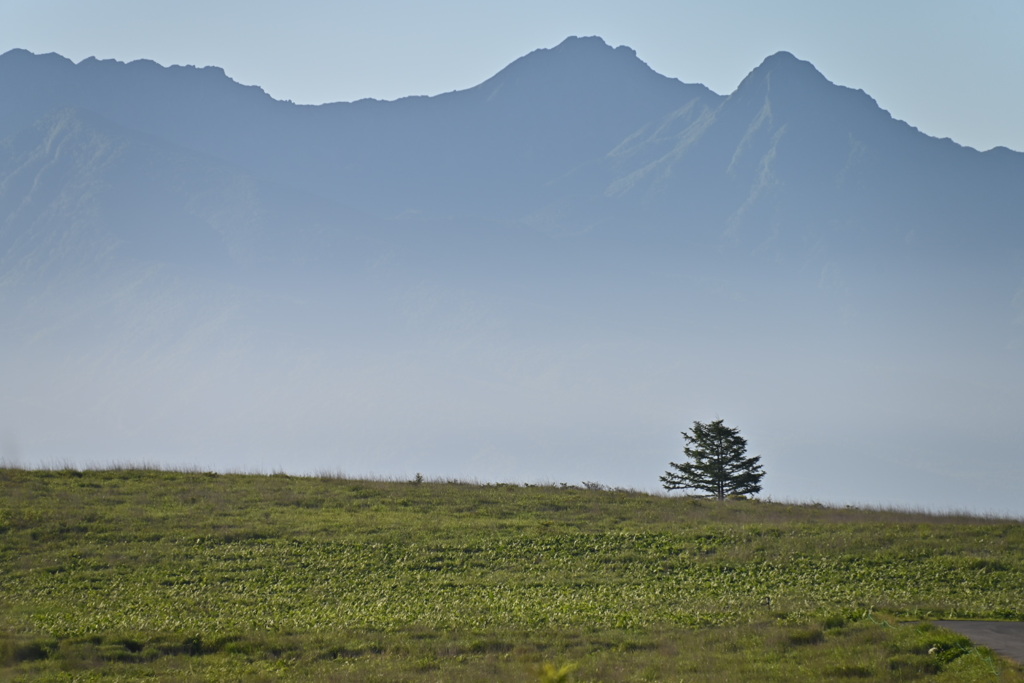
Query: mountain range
[(540, 276)]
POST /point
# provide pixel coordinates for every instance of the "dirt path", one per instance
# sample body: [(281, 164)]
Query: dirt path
[(1003, 637)]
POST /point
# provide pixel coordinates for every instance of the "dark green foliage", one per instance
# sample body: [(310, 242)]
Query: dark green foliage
[(30, 651), (717, 464), (805, 636), (834, 621), (913, 666), (851, 671)]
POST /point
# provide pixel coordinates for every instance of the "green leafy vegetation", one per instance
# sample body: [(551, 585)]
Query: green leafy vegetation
[(128, 574)]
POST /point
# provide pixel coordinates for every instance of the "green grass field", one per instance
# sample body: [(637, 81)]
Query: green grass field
[(129, 574)]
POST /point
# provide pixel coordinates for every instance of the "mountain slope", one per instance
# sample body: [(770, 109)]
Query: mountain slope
[(579, 120), (541, 116), (532, 278), (127, 196), (790, 159)]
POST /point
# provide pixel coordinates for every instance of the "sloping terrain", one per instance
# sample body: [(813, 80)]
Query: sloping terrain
[(164, 575)]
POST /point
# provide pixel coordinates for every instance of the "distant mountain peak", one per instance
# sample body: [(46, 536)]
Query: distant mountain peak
[(576, 41), (796, 86), (787, 66), (591, 44), (21, 55), (587, 64), (16, 53), (141, 65), (581, 52), (783, 57)]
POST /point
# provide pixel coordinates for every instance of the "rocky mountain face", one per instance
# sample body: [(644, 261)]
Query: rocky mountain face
[(572, 137), (576, 241), (537, 119)]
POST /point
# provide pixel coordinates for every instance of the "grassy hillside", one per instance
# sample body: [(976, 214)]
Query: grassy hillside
[(190, 576)]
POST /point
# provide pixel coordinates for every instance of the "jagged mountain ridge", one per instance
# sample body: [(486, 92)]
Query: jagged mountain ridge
[(585, 98), (553, 136), (790, 151), (516, 271)]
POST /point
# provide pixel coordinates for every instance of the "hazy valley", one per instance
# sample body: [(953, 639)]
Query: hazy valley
[(541, 278)]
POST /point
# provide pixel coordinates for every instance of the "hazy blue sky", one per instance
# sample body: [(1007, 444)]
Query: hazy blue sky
[(952, 69)]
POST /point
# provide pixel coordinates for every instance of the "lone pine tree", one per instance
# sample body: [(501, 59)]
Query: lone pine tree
[(717, 463)]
